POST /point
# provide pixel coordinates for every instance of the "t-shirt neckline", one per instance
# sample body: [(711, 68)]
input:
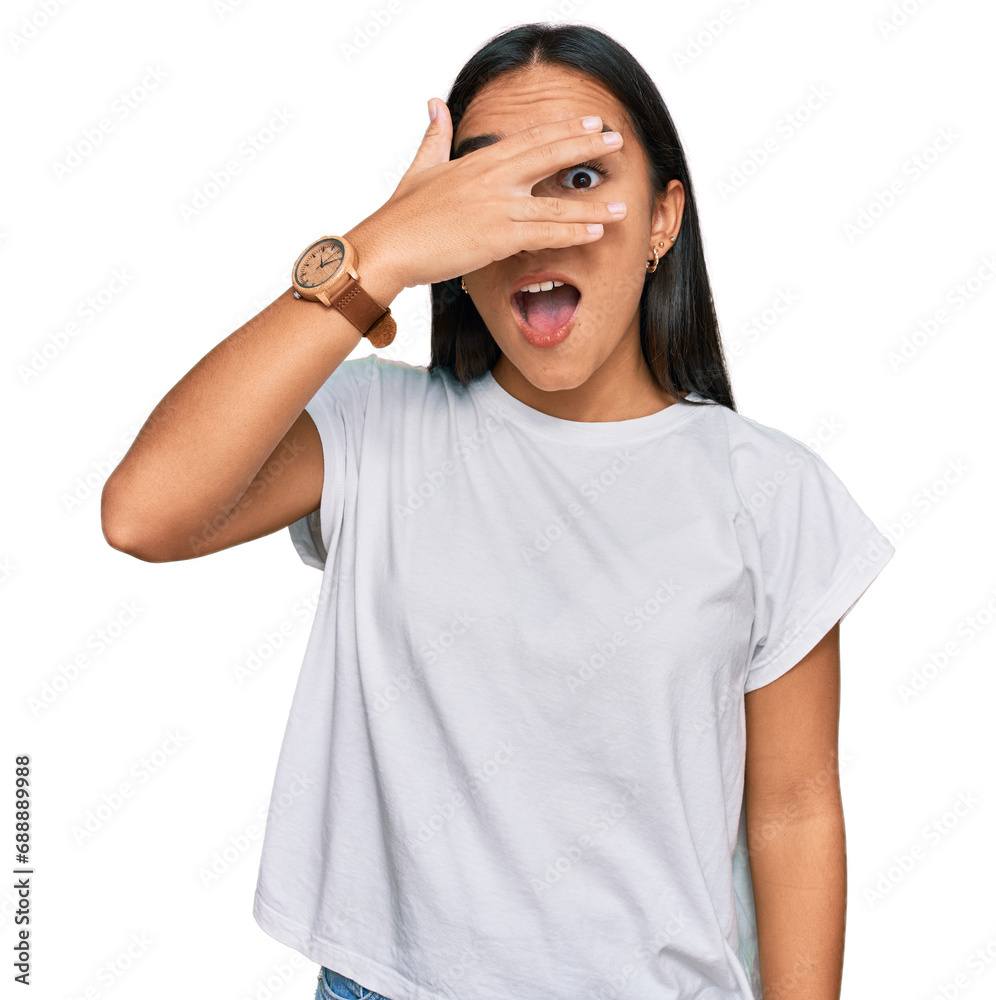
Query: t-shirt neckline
[(595, 432)]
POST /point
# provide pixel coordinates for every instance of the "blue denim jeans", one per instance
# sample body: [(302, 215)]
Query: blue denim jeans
[(333, 986)]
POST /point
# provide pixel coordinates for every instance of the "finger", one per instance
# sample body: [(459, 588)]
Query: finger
[(551, 235), (435, 145), (539, 151), (565, 210)]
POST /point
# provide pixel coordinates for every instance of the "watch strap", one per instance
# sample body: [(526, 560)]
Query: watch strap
[(365, 313)]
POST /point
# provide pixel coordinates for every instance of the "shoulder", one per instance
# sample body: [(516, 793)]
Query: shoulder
[(373, 365), (395, 367), (358, 377), (765, 461), (748, 438), (398, 385), (389, 389), (397, 374)]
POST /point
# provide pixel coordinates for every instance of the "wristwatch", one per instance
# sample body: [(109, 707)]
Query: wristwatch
[(326, 273)]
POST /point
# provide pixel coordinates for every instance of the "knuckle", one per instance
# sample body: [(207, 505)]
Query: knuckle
[(546, 153), (548, 233), (557, 207), (533, 134), (531, 207)]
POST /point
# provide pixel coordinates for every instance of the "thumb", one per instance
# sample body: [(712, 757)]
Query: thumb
[(435, 147)]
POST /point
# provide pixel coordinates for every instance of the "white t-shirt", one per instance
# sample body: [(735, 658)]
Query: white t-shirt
[(514, 761)]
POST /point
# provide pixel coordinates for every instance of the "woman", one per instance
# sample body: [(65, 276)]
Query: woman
[(548, 701)]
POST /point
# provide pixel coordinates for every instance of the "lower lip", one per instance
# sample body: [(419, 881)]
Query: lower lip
[(550, 339)]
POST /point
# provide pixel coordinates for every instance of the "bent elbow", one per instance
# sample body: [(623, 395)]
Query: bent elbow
[(120, 530)]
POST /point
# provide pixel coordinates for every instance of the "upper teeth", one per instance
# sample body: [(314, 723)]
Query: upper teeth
[(543, 286)]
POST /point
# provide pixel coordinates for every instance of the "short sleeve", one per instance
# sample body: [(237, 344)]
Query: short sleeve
[(306, 534), (338, 410), (811, 551)]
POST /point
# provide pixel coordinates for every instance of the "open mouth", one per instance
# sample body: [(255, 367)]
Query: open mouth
[(546, 312)]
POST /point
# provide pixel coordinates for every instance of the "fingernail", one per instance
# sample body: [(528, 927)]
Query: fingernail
[(616, 207), (592, 121), (595, 227), (611, 138), (432, 110)]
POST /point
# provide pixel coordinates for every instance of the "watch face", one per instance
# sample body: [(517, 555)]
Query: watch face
[(319, 263)]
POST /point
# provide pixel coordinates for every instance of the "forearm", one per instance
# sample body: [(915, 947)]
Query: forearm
[(799, 872), (202, 445)]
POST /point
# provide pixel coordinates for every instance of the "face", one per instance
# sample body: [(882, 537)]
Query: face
[(604, 344)]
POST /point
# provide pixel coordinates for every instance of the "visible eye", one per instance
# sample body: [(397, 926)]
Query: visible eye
[(588, 168)]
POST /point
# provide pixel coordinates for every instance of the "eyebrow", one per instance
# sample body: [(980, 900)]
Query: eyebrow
[(480, 141)]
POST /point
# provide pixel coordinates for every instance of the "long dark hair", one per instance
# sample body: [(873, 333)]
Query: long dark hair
[(679, 332)]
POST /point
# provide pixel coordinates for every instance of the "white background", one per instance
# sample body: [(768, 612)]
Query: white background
[(912, 441)]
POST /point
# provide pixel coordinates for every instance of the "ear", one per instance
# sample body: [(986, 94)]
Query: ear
[(666, 216)]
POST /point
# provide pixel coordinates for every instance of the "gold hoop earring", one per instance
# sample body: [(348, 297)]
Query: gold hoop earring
[(650, 270)]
